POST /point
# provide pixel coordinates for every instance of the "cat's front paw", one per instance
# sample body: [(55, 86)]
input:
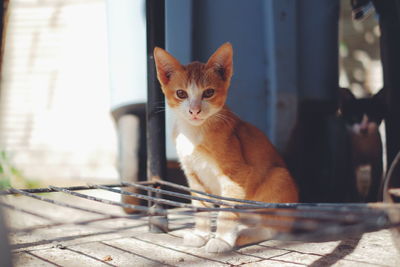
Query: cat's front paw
[(197, 240), (217, 245)]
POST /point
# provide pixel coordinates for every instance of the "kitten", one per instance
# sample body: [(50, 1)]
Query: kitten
[(362, 118), (219, 153)]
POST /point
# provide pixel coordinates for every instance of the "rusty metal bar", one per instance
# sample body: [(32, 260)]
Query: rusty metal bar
[(311, 222), (17, 191), (253, 209), (334, 207), (146, 197), (354, 209), (105, 201), (343, 208), (72, 188)]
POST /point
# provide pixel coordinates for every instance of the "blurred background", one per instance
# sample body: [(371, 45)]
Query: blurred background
[(68, 64), (55, 118), (360, 62)]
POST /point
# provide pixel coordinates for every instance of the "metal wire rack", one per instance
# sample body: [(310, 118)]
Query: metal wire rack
[(311, 222)]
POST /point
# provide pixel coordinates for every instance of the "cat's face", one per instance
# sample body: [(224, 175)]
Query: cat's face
[(197, 91)]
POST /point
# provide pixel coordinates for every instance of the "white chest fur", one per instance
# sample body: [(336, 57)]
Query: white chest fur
[(194, 161)]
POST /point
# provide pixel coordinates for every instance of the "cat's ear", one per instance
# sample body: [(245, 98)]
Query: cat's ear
[(166, 65), (221, 61)]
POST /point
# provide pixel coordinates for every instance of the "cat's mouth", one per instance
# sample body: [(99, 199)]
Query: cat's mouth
[(196, 120)]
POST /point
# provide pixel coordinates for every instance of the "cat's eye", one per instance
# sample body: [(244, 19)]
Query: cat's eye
[(208, 93), (181, 94)]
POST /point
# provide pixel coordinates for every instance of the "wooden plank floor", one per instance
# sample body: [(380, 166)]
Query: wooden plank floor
[(127, 242)]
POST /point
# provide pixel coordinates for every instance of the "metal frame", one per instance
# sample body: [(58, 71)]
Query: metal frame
[(309, 222), (156, 153)]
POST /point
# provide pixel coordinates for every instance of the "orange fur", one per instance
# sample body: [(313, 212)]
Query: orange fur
[(220, 153)]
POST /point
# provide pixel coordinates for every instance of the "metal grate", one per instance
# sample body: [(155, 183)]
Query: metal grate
[(311, 222)]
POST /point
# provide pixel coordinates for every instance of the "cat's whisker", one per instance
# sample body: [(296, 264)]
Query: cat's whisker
[(225, 119)]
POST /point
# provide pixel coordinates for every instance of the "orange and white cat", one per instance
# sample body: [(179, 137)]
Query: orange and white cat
[(219, 153)]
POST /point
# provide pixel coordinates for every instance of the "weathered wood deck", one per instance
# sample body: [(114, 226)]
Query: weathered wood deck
[(127, 242)]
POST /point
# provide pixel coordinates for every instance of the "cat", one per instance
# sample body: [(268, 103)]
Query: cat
[(219, 153), (362, 118)]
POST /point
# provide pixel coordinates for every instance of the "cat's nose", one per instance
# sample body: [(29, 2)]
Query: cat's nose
[(195, 111)]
